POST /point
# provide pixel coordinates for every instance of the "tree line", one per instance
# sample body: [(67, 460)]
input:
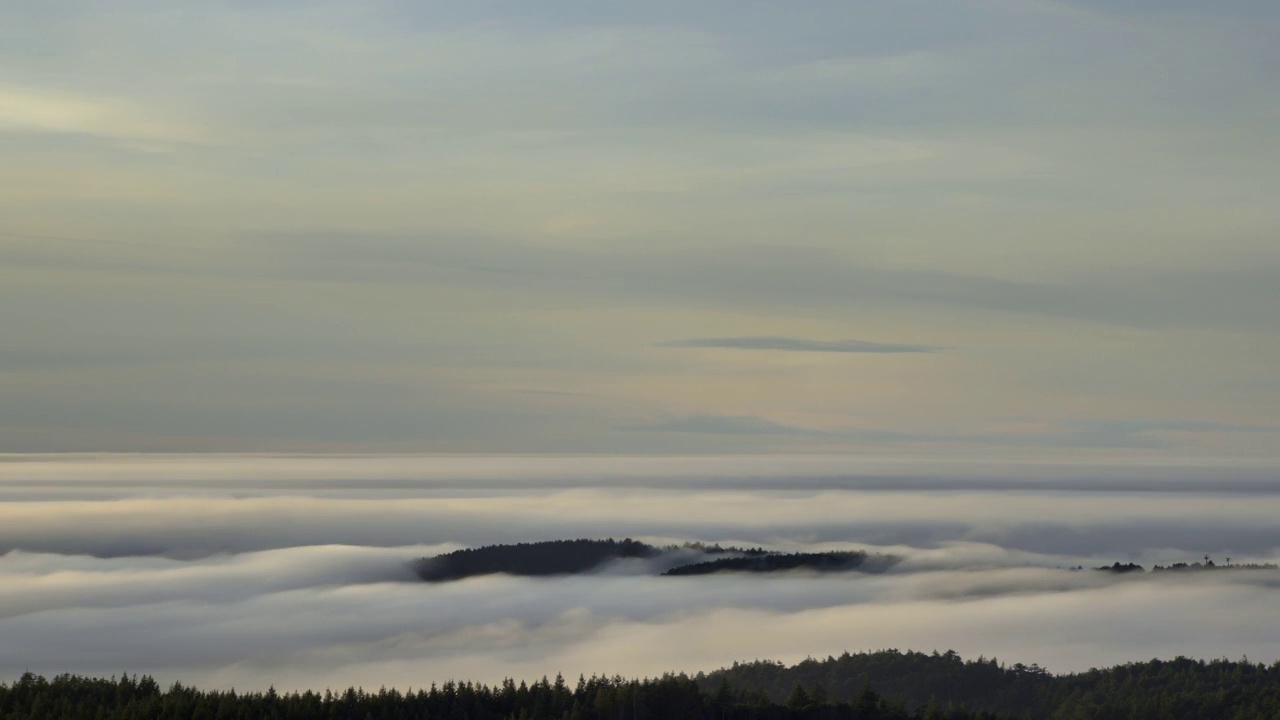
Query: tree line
[(1179, 689), (884, 685), (670, 697)]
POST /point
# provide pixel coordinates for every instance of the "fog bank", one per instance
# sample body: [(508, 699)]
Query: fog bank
[(206, 569)]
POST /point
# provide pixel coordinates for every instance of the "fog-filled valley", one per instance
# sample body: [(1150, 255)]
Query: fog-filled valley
[(298, 572), (636, 360)]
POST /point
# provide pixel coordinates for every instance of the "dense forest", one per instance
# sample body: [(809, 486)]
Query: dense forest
[(671, 697), (567, 557), (886, 685), (1178, 689)]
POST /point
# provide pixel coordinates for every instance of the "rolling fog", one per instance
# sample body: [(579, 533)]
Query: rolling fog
[(249, 571)]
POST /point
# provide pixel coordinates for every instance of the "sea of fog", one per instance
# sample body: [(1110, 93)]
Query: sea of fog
[(248, 571)]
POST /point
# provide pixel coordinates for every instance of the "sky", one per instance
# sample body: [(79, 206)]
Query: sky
[(907, 227)]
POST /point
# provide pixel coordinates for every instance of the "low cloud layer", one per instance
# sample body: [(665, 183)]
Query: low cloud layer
[(239, 571)]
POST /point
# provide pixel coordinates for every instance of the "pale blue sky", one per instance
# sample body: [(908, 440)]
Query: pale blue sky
[(919, 226)]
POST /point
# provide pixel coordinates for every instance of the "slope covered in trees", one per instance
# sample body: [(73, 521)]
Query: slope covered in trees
[(671, 697), (1178, 689), (888, 685), (557, 557), (567, 557), (821, 562)]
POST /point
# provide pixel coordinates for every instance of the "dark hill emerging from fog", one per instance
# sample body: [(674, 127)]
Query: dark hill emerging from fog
[(820, 562), (556, 557), (571, 557), (928, 684)]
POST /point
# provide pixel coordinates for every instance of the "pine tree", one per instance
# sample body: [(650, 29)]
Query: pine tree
[(799, 698)]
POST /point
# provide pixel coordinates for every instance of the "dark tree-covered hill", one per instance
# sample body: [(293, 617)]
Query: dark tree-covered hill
[(888, 685), (820, 562), (1178, 689), (556, 557), (671, 697), (566, 557)]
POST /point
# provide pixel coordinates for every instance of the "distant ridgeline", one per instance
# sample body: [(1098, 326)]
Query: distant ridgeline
[(569, 557), (556, 557), (1206, 566), (572, 557), (771, 562)]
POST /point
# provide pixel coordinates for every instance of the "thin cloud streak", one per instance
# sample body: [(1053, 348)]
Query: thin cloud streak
[(723, 425), (24, 110), (787, 344)]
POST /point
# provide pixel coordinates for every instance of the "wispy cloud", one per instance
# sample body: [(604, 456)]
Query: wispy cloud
[(723, 425), (1047, 8), (1237, 296), (788, 344), (1081, 434), (1194, 426), (1142, 433), (27, 110)]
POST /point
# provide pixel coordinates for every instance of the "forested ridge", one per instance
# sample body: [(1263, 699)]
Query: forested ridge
[(1179, 689), (556, 557), (820, 562), (567, 557), (671, 697), (886, 685)]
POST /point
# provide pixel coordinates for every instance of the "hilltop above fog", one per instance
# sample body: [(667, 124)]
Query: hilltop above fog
[(570, 557)]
